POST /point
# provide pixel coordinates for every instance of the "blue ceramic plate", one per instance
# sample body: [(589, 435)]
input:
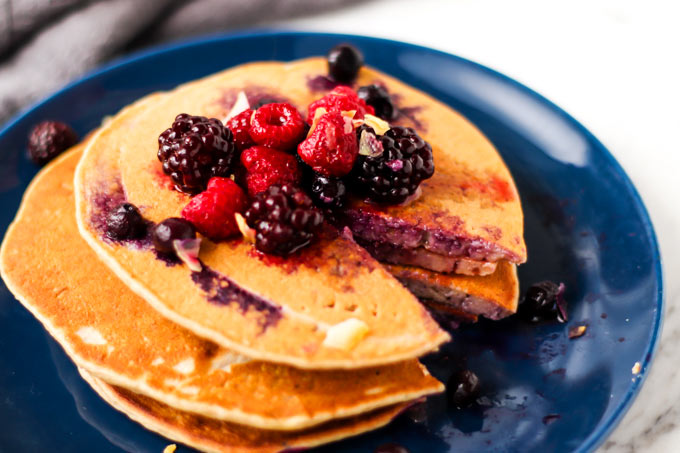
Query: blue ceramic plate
[(585, 226)]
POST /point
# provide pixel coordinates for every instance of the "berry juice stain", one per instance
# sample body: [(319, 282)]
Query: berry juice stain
[(322, 83), (223, 291)]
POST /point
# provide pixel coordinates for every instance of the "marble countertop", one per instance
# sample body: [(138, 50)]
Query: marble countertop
[(613, 66)]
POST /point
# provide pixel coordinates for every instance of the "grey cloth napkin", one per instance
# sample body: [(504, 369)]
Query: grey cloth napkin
[(46, 43)]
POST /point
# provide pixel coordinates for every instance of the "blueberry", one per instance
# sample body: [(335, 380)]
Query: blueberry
[(462, 389), (378, 98), (125, 222), (344, 62), (169, 230), (544, 301)]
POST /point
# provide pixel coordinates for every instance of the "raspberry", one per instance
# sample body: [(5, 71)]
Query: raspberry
[(277, 126), (239, 126), (331, 148), (328, 192), (378, 98), (266, 166), (194, 149), (126, 222), (212, 211), (342, 99), (49, 139), (395, 173), (284, 219)]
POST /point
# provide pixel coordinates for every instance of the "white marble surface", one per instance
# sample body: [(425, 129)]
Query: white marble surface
[(615, 66)]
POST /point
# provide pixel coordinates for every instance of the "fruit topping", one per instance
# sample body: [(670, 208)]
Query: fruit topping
[(125, 222), (49, 139), (377, 97), (170, 230), (331, 146), (544, 301), (462, 389), (395, 174), (379, 126), (369, 143), (277, 125), (241, 104), (187, 250), (266, 166), (240, 128), (346, 335), (342, 99), (284, 219), (195, 149), (328, 192), (212, 212), (344, 62)]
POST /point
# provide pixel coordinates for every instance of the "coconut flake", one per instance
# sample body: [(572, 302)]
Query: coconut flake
[(369, 145), (318, 113), (379, 125), (346, 335), (187, 250), (247, 232), (240, 105)]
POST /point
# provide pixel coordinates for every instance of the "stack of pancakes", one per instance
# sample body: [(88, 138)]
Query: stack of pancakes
[(250, 353)]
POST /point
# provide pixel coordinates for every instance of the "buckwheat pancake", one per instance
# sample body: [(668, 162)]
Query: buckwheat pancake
[(110, 331), (467, 219), (210, 435), (493, 296), (277, 310)]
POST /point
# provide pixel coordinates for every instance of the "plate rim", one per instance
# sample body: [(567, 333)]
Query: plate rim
[(601, 433)]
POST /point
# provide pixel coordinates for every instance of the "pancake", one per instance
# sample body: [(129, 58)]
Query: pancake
[(114, 334), (210, 435), (280, 311), (493, 296)]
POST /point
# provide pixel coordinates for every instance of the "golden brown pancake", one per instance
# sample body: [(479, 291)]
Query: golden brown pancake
[(290, 306), (210, 435), (492, 296), (113, 333)]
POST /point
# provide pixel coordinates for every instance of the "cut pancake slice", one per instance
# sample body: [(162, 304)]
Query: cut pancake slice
[(113, 333), (329, 306), (210, 435), (493, 296)]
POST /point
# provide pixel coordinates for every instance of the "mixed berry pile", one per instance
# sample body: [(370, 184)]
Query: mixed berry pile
[(272, 174)]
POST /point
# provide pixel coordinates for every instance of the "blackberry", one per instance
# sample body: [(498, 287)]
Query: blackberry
[(49, 139), (169, 230), (328, 192), (344, 62), (194, 149), (462, 389), (378, 98), (393, 175), (284, 219), (544, 301), (125, 222)]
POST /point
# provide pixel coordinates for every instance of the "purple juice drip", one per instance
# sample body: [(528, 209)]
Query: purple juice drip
[(224, 291)]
